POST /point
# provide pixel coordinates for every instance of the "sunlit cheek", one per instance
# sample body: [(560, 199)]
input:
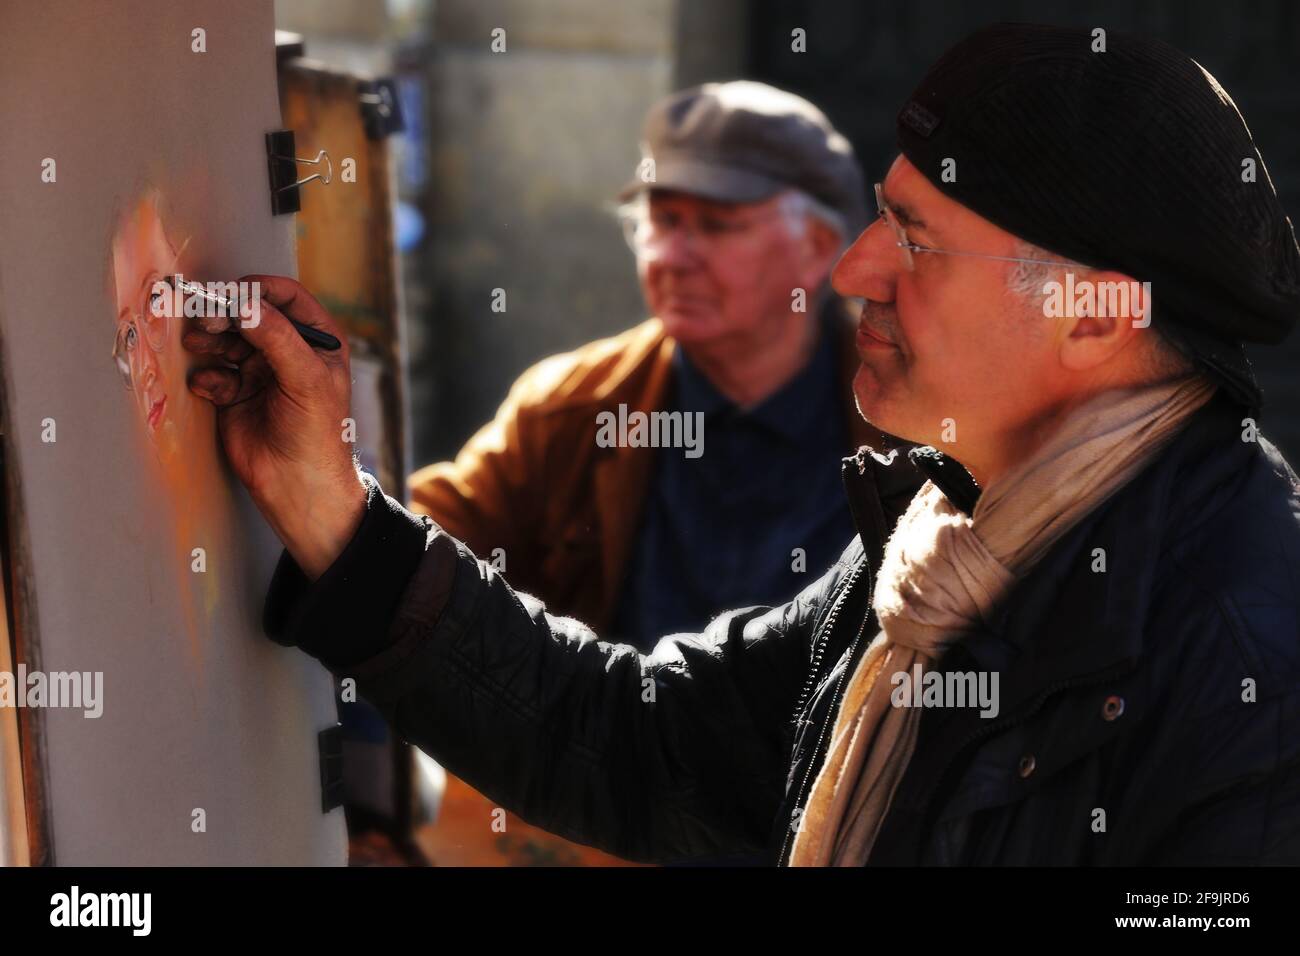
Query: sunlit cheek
[(936, 364), (740, 306)]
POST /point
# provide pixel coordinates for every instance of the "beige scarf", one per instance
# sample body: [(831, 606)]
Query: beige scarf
[(943, 572)]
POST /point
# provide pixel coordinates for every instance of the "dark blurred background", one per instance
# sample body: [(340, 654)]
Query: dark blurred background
[(510, 158)]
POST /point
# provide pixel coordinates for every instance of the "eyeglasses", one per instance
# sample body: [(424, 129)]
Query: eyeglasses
[(645, 234), (126, 343), (908, 248)]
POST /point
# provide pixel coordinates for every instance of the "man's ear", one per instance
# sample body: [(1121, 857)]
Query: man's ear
[(1107, 311)]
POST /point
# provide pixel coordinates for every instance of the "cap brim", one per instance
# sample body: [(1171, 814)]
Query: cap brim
[(706, 180)]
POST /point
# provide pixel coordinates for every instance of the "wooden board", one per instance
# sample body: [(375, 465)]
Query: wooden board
[(14, 847), (346, 255)]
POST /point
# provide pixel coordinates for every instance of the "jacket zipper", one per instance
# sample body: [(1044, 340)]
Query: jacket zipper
[(882, 533), (828, 625), (833, 712)]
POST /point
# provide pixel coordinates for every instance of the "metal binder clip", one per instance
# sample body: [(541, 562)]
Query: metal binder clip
[(282, 166), (381, 110), (323, 177)]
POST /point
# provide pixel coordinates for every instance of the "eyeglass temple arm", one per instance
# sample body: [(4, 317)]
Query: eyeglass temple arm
[(913, 247)]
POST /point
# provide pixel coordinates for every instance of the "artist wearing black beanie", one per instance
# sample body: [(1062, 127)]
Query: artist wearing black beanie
[(1104, 530)]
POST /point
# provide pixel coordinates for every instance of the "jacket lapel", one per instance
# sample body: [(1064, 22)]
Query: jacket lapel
[(622, 475)]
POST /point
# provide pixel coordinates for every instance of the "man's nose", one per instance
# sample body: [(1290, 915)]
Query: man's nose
[(869, 268), (675, 248), (149, 370)]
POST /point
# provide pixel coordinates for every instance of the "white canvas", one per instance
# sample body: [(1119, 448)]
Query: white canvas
[(158, 151)]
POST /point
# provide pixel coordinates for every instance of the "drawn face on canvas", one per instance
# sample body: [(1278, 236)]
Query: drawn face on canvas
[(145, 344)]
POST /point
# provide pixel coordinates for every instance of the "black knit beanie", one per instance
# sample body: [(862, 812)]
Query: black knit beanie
[(1124, 155)]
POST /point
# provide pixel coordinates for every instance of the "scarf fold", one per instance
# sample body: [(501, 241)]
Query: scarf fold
[(943, 573)]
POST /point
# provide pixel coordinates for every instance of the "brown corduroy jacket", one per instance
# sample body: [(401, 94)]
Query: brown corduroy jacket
[(534, 492)]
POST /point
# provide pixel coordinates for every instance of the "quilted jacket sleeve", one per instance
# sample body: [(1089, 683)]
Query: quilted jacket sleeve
[(677, 754)]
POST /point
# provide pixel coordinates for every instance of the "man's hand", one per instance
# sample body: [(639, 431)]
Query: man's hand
[(280, 410)]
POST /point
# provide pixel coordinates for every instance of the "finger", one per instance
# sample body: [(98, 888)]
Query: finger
[(213, 323), (226, 345), (217, 385), (224, 387), (296, 365), (293, 300)]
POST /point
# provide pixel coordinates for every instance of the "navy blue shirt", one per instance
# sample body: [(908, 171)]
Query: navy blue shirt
[(721, 531)]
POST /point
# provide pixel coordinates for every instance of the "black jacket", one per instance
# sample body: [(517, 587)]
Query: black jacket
[(1149, 712)]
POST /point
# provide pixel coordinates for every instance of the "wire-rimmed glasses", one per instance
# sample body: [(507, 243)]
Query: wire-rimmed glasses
[(907, 247), (143, 327)]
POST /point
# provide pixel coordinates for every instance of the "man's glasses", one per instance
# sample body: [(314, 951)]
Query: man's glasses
[(147, 328), (907, 248)]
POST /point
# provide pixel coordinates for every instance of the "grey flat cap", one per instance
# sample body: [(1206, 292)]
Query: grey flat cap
[(745, 142)]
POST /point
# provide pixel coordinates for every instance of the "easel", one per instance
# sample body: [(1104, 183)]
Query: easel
[(347, 259)]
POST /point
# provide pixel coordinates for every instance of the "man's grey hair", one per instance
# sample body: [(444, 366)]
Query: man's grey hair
[(635, 209), (798, 207), (1026, 280)]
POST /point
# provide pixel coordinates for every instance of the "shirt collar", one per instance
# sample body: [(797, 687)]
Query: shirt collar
[(809, 396)]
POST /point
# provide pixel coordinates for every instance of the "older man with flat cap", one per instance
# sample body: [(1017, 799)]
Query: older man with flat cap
[(1077, 645)]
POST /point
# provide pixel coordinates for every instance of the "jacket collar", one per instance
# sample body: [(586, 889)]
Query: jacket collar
[(949, 475), (879, 486)]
